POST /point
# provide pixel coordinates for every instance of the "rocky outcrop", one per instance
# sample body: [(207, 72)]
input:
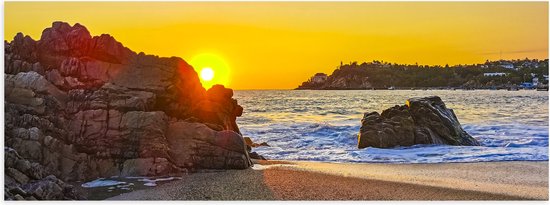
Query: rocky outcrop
[(338, 82), (250, 144), (421, 121), (83, 107)]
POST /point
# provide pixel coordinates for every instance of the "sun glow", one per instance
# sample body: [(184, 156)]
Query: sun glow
[(207, 74), (212, 69)]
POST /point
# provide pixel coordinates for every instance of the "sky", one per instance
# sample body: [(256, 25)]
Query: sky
[(278, 45)]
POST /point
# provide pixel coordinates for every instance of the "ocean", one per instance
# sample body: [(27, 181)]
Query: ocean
[(319, 125)]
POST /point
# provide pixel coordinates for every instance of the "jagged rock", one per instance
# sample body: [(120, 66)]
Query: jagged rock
[(22, 47), (50, 188), (55, 77), (33, 81), (421, 121), (250, 144), (23, 96), (17, 175), (80, 107), (18, 190), (24, 180)]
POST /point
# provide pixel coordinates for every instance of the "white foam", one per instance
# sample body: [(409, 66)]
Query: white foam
[(115, 184), (264, 167), (101, 183), (153, 182), (323, 125)]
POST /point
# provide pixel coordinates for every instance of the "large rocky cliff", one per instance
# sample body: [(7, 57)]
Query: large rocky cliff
[(78, 107)]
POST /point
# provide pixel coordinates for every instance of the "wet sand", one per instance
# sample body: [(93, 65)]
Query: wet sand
[(345, 181)]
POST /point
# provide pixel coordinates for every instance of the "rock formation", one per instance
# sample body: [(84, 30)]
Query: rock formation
[(250, 144), (421, 121), (337, 82), (78, 107)]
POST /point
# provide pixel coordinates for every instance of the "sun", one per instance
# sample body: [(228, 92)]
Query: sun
[(207, 74), (212, 69)]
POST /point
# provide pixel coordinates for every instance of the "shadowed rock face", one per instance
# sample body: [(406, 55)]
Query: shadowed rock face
[(83, 107), (421, 121)]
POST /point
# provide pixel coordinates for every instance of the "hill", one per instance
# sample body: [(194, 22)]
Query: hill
[(383, 75)]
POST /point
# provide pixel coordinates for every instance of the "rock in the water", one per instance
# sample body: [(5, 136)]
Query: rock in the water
[(421, 121), (250, 144)]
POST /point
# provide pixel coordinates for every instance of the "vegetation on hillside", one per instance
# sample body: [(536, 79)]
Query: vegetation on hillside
[(379, 74)]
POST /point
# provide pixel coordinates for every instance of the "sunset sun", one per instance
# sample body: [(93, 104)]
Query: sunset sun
[(207, 74), (212, 69)]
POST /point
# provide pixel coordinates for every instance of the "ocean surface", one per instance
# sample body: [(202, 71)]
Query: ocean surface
[(323, 125)]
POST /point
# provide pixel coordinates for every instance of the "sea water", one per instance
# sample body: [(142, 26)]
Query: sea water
[(323, 125)]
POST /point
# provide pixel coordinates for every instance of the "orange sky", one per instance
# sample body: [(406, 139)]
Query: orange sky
[(277, 45)]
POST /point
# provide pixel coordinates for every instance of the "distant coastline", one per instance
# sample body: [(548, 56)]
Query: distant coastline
[(379, 75)]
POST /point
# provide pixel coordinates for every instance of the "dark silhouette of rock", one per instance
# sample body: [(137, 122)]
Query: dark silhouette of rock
[(78, 107), (421, 121), (250, 144)]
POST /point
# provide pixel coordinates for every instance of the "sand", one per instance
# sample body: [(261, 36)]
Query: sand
[(344, 181)]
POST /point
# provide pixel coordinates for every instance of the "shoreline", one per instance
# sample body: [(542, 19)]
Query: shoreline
[(305, 180)]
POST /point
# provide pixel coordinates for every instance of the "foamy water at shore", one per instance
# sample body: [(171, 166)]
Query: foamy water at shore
[(323, 125)]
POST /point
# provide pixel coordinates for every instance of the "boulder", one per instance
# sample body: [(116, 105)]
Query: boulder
[(197, 145), (421, 121)]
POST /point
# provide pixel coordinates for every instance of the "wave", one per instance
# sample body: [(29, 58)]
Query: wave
[(333, 142), (323, 125)]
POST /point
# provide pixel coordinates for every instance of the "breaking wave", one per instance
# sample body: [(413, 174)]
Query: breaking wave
[(323, 125)]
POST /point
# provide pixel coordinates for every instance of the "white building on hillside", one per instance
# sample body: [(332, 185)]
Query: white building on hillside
[(535, 81), (494, 74), (506, 64)]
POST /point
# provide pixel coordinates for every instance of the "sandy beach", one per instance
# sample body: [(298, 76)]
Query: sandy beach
[(292, 180)]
